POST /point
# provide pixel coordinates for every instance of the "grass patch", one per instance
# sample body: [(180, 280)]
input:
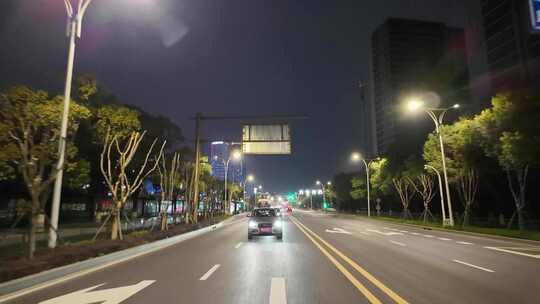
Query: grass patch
[(139, 233), (514, 233)]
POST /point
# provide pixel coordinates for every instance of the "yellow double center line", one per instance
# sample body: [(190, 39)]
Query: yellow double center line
[(372, 299)]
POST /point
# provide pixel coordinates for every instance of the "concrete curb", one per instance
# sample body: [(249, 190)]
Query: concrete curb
[(485, 235), (25, 285)]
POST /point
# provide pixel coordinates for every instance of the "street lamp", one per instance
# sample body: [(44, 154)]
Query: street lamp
[(440, 190), (437, 115), (74, 28), (356, 157), (323, 190), (235, 155)]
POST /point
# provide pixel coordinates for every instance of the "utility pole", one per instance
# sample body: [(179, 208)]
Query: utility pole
[(74, 26), (197, 164)]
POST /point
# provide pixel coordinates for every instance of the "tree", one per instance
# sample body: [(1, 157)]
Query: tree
[(380, 177), (359, 189), (509, 133), (169, 181), (424, 187), (30, 125), (405, 189), (115, 160), (342, 186)]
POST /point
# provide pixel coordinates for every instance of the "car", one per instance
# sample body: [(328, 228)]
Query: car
[(265, 221)]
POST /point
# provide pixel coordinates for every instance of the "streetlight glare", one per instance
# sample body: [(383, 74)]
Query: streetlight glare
[(318, 182), (355, 156), (456, 106), (414, 105), (329, 183), (250, 178), (236, 154)]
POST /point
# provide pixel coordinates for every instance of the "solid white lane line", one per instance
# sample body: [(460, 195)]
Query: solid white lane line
[(397, 243), (278, 291), (209, 272), (473, 266), (404, 231), (444, 239), (238, 245), (428, 235), (464, 243), (415, 233)]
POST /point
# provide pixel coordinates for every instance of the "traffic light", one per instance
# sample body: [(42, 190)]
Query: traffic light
[(325, 205)]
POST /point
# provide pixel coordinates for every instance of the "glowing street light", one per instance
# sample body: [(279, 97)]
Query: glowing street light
[(437, 115), (234, 155)]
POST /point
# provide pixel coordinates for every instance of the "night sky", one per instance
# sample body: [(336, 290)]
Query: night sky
[(228, 57)]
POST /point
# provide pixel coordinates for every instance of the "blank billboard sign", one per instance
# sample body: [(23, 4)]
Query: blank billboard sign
[(266, 139)]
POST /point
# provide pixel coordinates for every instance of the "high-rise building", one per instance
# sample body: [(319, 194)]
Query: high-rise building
[(219, 154), (219, 151), (412, 57), (513, 49)]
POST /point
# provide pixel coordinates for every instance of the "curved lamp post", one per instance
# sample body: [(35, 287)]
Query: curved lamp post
[(437, 115), (356, 157), (74, 28)]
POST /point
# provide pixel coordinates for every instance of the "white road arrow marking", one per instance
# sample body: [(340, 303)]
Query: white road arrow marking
[(338, 230), (385, 233), (104, 296)]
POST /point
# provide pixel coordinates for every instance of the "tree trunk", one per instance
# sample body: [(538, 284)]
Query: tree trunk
[(164, 225), (521, 219), (115, 226), (467, 214), (519, 195), (32, 235)]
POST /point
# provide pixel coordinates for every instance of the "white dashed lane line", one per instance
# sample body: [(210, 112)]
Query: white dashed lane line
[(444, 239), (278, 291), (209, 272), (473, 266), (464, 243), (398, 243), (238, 245)]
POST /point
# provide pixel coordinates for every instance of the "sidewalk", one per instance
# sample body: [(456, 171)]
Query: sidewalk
[(16, 236), (18, 287)]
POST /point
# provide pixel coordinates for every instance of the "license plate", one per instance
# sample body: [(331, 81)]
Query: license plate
[(266, 230)]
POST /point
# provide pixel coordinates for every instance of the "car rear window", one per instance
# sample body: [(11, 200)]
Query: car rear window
[(264, 212)]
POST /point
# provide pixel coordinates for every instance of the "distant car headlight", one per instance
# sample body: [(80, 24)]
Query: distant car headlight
[(252, 225), (277, 224)]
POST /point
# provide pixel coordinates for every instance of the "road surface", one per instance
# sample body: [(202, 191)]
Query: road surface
[(321, 259)]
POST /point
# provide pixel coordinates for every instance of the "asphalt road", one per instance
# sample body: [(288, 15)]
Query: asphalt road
[(321, 259)]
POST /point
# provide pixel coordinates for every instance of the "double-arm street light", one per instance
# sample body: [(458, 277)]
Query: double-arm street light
[(235, 155), (323, 189), (437, 115), (74, 28), (356, 157)]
